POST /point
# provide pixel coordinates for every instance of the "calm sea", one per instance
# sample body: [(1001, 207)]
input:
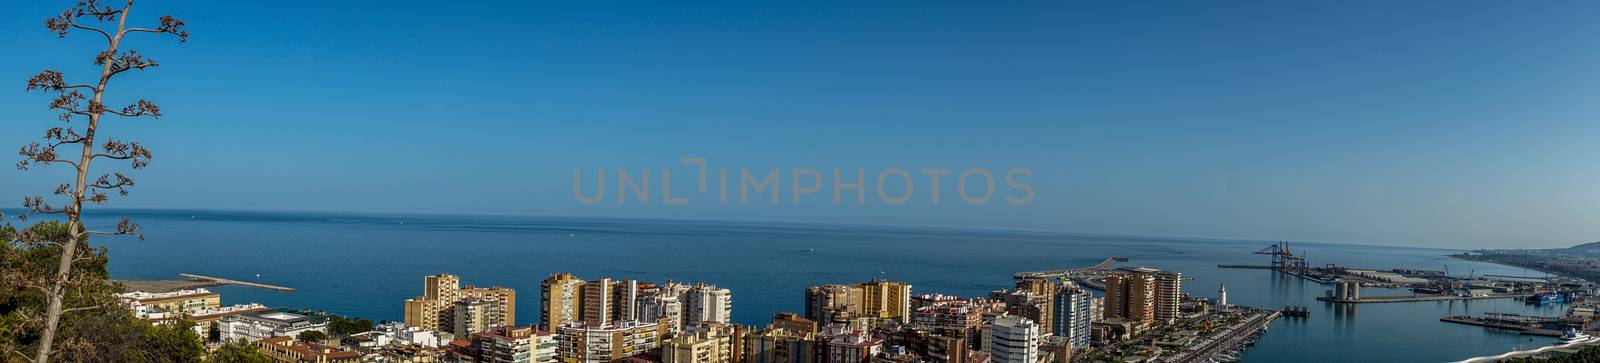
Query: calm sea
[(366, 264)]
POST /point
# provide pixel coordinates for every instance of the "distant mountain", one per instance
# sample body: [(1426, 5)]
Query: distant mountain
[(1591, 248)]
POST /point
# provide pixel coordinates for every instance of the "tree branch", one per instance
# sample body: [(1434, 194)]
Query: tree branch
[(81, 308), (96, 30)]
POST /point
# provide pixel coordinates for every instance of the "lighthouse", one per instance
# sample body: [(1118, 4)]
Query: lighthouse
[(1222, 296)]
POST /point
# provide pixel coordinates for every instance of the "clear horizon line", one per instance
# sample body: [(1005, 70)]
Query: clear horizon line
[(780, 221)]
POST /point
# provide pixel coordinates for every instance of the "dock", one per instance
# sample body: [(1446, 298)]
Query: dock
[(1415, 298), (1279, 269), (220, 280), (1523, 328)]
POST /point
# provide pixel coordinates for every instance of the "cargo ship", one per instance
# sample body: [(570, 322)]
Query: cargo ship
[(1544, 298)]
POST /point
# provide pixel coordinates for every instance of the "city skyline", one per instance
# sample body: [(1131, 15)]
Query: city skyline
[(801, 182), (1419, 123)]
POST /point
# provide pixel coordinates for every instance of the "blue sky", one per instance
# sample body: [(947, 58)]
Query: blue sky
[(1431, 123)]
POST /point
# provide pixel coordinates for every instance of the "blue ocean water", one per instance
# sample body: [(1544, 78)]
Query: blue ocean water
[(367, 264)]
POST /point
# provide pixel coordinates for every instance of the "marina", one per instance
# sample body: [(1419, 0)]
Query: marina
[(1391, 332)]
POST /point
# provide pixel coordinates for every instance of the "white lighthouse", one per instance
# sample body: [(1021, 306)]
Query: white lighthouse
[(1222, 296)]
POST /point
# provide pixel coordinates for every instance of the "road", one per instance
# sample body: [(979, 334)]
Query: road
[(1228, 339), (1057, 273)]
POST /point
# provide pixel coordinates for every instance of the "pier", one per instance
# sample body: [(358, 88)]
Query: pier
[(219, 280), (1280, 269), (1414, 298)]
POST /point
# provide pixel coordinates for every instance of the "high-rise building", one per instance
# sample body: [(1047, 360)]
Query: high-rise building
[(1097, 309), (1072, 315), (1026, 304), (708, 343), (876, 299), (605, 300), (665, 305), (598, 303), (889, 299), (824, 303), (545, 347), (789, 342), (708, 303), (580, 342), (1168, 295), (1046, 290), (1014, 339), (434, 310), (472, 315), (961, 319), (1131, 297), (560, 301)]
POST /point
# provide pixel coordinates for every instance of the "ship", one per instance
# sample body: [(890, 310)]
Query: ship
[(1428, 290), (1574, 336), (1544, 298)]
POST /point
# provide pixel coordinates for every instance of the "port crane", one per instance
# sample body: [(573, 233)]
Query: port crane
[(1283, 258)]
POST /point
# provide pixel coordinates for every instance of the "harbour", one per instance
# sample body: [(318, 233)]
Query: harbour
[(947, 263)]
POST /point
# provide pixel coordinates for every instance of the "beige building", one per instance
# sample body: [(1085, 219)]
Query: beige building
[(889, 299), (174, 303), (1131, 297), (1168, 295), (434, 310), (877, 299), (287, 350), (706, 343), (789, 339), (472, 315), (1026, 304), (560, 301), (599, 306), (577, 342), (510, 344)]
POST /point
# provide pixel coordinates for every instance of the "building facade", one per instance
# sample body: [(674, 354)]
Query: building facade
[(266, 324), (876, 299), (1072, 315), (434, 310), (1014, 339), (1130, 296), (780, 344), (580, 342), (707, 343), (1168, 295), (708, 303), (145, 305), (560, 301)]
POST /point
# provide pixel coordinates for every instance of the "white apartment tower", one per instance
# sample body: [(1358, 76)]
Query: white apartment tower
[(1013, 339)]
